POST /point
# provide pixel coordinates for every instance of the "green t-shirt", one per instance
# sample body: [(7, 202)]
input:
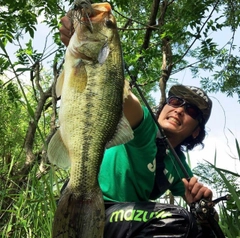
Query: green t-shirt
[(127, 172)]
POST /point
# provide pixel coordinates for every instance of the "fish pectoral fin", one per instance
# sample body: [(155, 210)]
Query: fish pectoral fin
[(59, 84), (57, 152), (123, 134)]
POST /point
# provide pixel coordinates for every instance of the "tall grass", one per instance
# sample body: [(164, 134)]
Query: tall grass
[(230, 214), (229, 211), (31, 208), (225, 182)]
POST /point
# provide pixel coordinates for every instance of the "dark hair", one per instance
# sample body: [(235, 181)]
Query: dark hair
[(189, 143)]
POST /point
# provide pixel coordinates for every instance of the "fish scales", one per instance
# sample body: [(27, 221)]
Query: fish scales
[(91, 88), (98, 108)]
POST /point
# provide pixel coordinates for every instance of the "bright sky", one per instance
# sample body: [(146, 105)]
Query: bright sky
[(224, 118), (223, 126)]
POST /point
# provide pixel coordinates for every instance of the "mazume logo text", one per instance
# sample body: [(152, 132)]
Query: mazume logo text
[(137, 215)]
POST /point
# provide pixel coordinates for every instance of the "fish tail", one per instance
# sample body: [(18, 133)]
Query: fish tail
[(80, 216)]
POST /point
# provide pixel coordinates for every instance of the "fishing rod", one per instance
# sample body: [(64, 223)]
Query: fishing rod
[(203, 210), (162, 134)]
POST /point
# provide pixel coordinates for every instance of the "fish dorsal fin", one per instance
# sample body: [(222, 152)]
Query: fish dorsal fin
[(57, 152), (124, 133), (59, 84)]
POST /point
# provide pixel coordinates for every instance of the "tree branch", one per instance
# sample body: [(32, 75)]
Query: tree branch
[(167, 55)]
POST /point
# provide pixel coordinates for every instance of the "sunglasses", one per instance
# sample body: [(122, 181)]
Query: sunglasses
[(192, 110)]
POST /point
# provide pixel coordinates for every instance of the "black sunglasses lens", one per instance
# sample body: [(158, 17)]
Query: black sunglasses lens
[(175, 102), (192, 111)]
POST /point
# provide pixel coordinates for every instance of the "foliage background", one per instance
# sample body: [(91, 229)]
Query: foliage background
[(159, 38)]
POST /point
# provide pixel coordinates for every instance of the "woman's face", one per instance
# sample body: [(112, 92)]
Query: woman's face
[(177, 124)]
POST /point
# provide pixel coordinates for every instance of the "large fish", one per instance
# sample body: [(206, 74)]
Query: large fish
[(90, 117)]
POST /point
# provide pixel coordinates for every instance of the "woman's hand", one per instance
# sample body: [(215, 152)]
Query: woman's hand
[(194, 191), (66, 30)]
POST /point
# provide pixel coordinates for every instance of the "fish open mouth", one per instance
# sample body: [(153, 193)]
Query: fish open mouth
[(97, 13)]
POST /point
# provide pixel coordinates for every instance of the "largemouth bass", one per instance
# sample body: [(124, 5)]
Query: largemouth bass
[(90, 118)]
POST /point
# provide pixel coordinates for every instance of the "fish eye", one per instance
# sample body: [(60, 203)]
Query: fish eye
[(110, 24)]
